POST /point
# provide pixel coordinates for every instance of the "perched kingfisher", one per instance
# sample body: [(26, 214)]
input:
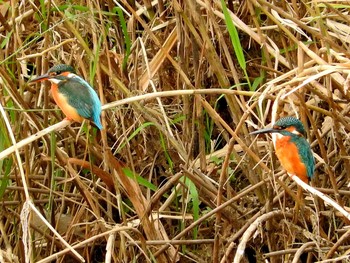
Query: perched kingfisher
[(75, 97), (291, 147)]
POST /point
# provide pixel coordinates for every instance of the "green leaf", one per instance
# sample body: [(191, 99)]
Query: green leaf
[(236, 42), (6, 40), (140, 180), (257, 82), (195, 201), (127, 41)]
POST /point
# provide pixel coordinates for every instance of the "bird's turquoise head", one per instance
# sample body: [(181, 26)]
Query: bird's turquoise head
[(56, 74), (287, 126), (290, 124)]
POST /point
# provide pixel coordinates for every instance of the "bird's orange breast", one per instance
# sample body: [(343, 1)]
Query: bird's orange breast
[(62, 102), (288, 154)]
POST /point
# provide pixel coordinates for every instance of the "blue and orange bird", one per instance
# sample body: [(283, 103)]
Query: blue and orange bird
[(73, 95), (292, 149)]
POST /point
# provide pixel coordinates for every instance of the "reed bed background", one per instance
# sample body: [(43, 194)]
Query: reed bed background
[(175, 175)]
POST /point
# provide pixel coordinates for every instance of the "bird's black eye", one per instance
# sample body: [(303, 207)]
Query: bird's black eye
[(58, 72)]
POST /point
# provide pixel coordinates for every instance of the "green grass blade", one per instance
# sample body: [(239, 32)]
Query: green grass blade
[(127, 40), (234, 36), (194, 197), (167, 156), (5, 164), (236, 42), (140, 180)]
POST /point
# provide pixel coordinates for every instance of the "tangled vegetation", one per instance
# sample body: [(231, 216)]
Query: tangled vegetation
[(174, 176)]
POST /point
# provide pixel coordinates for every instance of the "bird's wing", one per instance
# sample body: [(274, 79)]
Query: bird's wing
[(81, 97), (307, 157)]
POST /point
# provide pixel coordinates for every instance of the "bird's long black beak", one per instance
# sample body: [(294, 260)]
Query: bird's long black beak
[(266, 130), (40, 78)]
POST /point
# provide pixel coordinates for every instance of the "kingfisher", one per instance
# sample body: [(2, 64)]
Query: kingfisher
[(73, 95), (292, 149)]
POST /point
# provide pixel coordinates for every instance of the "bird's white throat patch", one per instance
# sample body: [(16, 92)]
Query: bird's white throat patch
[(279, 136)]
